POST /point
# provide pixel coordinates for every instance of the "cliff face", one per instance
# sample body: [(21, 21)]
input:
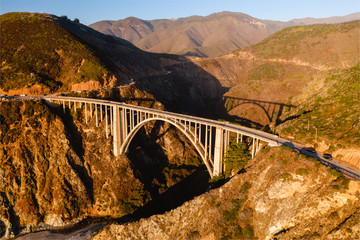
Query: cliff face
[(53, 173), (281, 195), (55, 170)]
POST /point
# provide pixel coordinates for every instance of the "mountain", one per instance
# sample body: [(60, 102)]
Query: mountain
[(329, 20), (208, 36), (291, 57), (42, 53), (199, 36), (301, 82)]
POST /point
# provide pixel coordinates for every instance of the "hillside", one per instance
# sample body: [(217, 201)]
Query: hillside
[(330, 114), (301, 82), (45, 53), (55, 170), (275, 71), (42, 53), (280, 195), (208, 36)]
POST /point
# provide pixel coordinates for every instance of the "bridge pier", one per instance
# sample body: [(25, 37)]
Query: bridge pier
[(106, 121), (116, 131), (86, 116), (218, 151)]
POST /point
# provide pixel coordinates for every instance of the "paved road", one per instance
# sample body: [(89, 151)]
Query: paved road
[(347, 170)]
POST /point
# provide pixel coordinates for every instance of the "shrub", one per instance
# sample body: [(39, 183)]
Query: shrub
[(334, 172), (286, 176), (249, 232), (302, 171)]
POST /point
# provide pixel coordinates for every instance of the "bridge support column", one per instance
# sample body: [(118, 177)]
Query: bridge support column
[(86, 116), (123, 124), (116, 131), (218, 151), (96, 115), (106, 121), (253, 148)]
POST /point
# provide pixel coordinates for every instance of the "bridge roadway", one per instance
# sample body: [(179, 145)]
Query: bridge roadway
[(211, 143)]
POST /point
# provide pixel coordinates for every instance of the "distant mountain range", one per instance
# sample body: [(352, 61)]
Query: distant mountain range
[(207, 36)]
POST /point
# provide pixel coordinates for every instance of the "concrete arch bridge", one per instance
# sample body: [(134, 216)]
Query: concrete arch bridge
[(123, 121), (272, 110)]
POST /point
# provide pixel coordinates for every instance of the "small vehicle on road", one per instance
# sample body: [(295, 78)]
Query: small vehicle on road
[(310, 149), (327, 156)]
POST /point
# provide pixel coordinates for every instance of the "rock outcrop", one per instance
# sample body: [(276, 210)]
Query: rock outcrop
[(281, 195), (55, 170)]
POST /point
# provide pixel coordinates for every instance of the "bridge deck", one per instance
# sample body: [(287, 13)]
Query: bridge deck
[(273, 140)]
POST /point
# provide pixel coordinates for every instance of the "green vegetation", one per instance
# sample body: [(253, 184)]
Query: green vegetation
[(230, 104), (233, 228), (341, 183), (136, 199), (35, 49), (194, 235), (12, 115), (266, 71), (334, 172), (290, 41), (236, 157), (286, 176), (332, 116), (302, 171)]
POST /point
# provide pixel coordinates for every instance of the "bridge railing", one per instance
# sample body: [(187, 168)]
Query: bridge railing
[(194, 126)]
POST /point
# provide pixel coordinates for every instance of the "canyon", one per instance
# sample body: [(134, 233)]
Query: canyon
[(58, 172)]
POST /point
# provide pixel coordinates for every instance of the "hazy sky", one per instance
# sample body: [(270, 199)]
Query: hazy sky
[(90, 11)]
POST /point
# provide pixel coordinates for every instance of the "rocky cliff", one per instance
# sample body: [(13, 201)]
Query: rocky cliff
[(280, 195), (55, 170)]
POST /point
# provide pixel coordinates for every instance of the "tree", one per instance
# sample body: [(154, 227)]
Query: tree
[(236, 158)]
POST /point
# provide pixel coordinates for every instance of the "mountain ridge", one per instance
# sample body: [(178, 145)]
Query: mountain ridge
[(202, 36), (56, 52)]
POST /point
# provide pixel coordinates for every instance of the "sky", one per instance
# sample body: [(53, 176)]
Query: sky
[(90, 11)]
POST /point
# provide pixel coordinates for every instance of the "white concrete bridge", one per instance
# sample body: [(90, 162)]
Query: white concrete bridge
[(123, 121)]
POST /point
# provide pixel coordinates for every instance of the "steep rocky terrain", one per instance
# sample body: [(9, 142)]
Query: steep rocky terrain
[(55, 170), (281, 195)]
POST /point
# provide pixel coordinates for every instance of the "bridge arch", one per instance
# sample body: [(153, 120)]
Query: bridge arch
[(198, 146), (269, 118)]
